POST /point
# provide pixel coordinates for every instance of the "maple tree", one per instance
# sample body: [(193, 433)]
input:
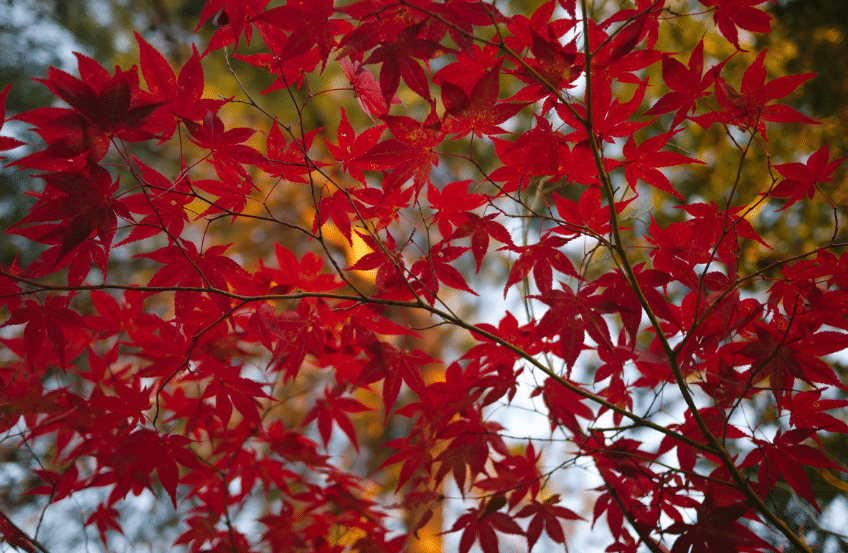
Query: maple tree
[(692, 385)]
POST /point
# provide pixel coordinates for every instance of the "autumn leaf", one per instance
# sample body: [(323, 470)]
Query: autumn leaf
[(113, 104), (749, 109), (730, 14), (6, 142), (802, 179), (541, 259), (45, 326), (476, 111), (641, 162)]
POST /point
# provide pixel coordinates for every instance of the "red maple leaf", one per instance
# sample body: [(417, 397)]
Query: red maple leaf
[(611, 117), (105, 518), (139, 453), (306, 274), (310, 24), (182, 97), (787, 456), (806, 410), (413, 143), (481, 525), (45, 326), (233, 19), (642, 162), (80, 204), (688, 84), (436, 267), (802, 179), (334, 407), (395, 367), (352, 146), (546, 516), (186, 267), (399, 59), (481, 229), (161, 208), (6, 142), (541, 258), (718, 527), (476, 110), (730, 14), (226, 144), (113, 104), (783, 354), (16, 537), (564, 406), (749, 109)]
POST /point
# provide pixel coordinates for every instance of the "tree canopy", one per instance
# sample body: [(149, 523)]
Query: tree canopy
[(370, 275)]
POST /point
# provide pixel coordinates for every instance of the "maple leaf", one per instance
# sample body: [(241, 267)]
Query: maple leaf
[(806, 411), (6, 142), (226, 144), (471, 438), (476, 111), (642, 162), (231, 390), (181, 97), (414, 455), (163, 208), (399, 59), (185, 266), (105, 518), (586, 213), (803, 178), (787, 457), (481, 229), (232, 190), (481, 525), (299, 332), (688, 84), (287, 160), (541, 258), (395, 367), (749, 109), (730, 14), (144, 450), (783, 354), (352, 147), (45, 324), (718, 527), (545, 517), (335, 408), (546, 146), (180, 338), (435, 268), (114, 105), (366, 89), (611, 118), (16, 537), (305, 274), (310, 24), (73, 141), (413, 143), (83, 203), (564, 406), (678, 249), (559, 65), (618, 58), (453, 202), (339, 208), (233, 20)]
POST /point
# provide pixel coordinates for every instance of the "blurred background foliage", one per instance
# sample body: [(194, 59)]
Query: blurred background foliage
[(807, 36)]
